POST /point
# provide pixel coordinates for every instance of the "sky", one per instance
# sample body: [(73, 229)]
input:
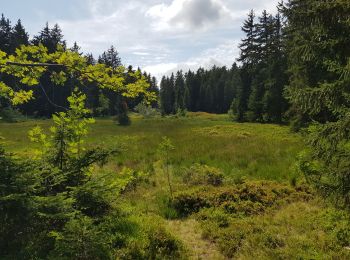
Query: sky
[(160, 36)]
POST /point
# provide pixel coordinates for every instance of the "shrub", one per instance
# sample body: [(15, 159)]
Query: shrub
[(163, 245), (244, 207), (231, 240), (103, 108), (81, 239), (153, 242), (232, 111), (91, 203), (123, 117), (186, 203), (217, 215), (109, 237), (11, 115), (121, 228), (181, 112), (249, 198), (297, 230), (165, 205), (146, 111), (203, 174), (135, 250), (129, 179)]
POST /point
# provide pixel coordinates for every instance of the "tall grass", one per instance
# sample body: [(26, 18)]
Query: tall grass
[(243, 153), (252, 150)]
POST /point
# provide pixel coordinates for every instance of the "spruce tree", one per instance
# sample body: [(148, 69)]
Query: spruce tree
[(192, 89), (248, 57), (167, 95), (110, 58), (179, 86), (263, 71), (319, 57), (154, 88), (255, 101), (236, 108), (7, 44), (248, 47), (5, 34), (19, 36), (50, 38), (231, 86), (90, 59), (275, 104), (76, 48)]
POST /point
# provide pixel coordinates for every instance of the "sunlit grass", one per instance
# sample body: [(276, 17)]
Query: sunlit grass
[(241, 151), (252, 150)]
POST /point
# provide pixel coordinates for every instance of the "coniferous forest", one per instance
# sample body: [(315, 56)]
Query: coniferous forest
[(50, 99), (99, 160), (253, 90)]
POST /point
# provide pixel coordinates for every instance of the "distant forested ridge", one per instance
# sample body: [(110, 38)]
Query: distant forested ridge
[(51, 98)]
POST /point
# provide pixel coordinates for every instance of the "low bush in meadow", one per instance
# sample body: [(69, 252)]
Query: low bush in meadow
[(295, 231), (246, 199), (199, 174)]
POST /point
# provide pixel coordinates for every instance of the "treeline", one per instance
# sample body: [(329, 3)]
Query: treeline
[(253, 90), (51, 98), (205, 90), (295, 67)]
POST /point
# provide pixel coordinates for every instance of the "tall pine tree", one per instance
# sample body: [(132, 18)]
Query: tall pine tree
[(319, 58)]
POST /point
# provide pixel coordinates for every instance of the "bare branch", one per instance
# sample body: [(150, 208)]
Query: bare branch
[(10, 63)]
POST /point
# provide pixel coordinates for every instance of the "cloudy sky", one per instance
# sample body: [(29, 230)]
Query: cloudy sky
[(160, 36)]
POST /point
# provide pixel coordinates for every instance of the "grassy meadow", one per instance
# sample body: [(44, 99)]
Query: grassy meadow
[(258, 205), (251, 150)]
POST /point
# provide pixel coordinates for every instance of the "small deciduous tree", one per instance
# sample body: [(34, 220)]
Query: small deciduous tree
[(165, 147), (31, 62), (68, 131), (50, 203), (146, 110), (103, 107)]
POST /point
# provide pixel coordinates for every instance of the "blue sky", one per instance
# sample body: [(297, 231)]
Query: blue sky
[(160, 36)]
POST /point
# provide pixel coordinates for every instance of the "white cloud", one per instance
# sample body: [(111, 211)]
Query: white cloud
[(160, 69), (222, 55), (141, 53), (188, 15), (161, 36)]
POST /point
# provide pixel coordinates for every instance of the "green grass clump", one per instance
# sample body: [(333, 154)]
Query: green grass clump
[(246, 199), (203, 174), (164, 245), (296, 231), (153, 242)]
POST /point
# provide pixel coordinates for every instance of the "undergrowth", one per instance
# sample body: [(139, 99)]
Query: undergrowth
[(236, 181)]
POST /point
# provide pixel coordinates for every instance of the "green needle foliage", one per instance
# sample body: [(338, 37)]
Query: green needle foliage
[(44, 199), (55, 205), (319, 56)]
